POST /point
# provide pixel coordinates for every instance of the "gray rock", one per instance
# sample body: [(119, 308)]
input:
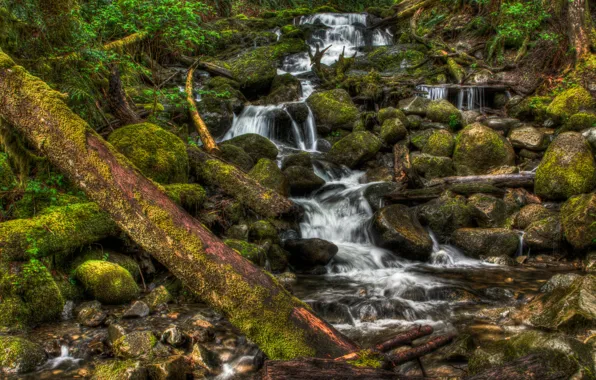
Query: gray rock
[(138, 309), (527, 137), (90, 314), (173, 336), (306, 254)]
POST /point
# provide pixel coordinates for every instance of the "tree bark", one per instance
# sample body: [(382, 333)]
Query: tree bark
[(580, 27), (404, 338), (235, 183), (310, 368), (282, 326), (200, 125), (402, 165), (118, 101), (416, 352)]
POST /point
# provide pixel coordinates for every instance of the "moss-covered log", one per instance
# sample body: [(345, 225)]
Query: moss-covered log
[(283, 326), (237, 184), (58, 230)]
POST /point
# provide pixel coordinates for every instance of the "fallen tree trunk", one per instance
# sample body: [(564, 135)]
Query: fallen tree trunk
[(416, 352), (494, 184), (528, 367), (282, 326), (200, 125), (311, 368), (404, 338), (209, 67), (235, 183)]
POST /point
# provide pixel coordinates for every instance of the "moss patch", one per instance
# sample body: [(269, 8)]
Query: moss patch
[(190, 196), (107, 282), (268, 174), (569, 102), (478, 149), (18, 355), (354, 149), (333, 109)]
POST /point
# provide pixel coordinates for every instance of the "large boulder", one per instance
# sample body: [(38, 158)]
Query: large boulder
[(301, 159), (530, 214), (414, 106), (479, 149), (268, 174), (285, 88), (527, 137), (439, 143), (393, 130), (578, 218), (477, 242), (333, 109), (107, 282), (488, 211), (237, 156), (303, 180), (430, 167), (442, 111), (18, 355), (569, 102), (354, 149), (397, 228), (544, 234), (256, 146), (309, 253), (446, 214), (159, 154), (580, 122), (568, 168), (385, 114)]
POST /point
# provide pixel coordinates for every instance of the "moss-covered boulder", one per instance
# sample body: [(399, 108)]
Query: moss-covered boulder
[(354, 149), (397, 228), (442, 111), (479, 149), (477, 242), (237, 156), (569, 102), (120, 369), (530, 214), (527, 137), (578, 218), (7, 178), (256, 146), (134, 345), (566, 307), (580, 122), (430, 167), (303, 180), (285, 88), (544, 235), (301, 159), (488, 211), (111, 256), (220, 100), (268, 174), (157, 297), (249, 251), (191, 196), (18, 355), (439, 143), (529, 109), (414, 106), (333, 109), (385, 114), (568, 168), (107, 282), (159, 154), (261, 231), (446, 214), (392, 131), (560, 355)]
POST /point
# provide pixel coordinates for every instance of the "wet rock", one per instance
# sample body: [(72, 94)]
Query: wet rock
[(569, 102), (565, 307), (158, 296), (380, 174), (414, 122), (559, 281), (18, 355), (354, 149), (115, 332), (302, 180), (298, 111), (261, 231), (389, 113), (107, 282), (277, 258), (479, 149), (90, 314), (238, 232), (120, 369), (138, 309), (301, 159), (287, 279), (544, 235), (205, 358), (442, 111), (333, 109), (527, 137), (470, 117), (134, 344), (173, 367), (252, 252), (268, 174), (502, 124), (530, 214), (499, 294), (256, 146), (414, 106), (375, 194), (439, 143), (173, 336), (500, 260), (446, 214), (323, 145), (561, 354), (285, 88), (461, 349), (308, 253), (237, 156), (568, 168), (199, 329), (488, 211), (578, 218), (398, 229), (392, 131), (478, 242), (430, 167)]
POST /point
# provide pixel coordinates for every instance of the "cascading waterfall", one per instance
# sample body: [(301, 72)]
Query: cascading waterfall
[(434, 92), (468, 97)]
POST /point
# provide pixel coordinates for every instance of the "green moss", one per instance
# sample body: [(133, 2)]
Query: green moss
[(256, 146), (368, 359), (568, 168), (268, 174), (392, 113), (7, 179), (124, 261), (531, 108), (261, 231), (249, 251), (18, 355), (369, 86), (119, 369), (578, 217), (439, 143), (478, 149), (354, 149), (237, 156), (431, 167), (107, 282), (34, 203), (580, 122), (392, 131), (333, 109), (569, 102), (190, 196), (159, 154), (39, 291), (442, 111), (388, 59), (135, 344)]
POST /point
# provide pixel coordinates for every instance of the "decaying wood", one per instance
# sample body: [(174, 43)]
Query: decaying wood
[(204, 134), (404, 338), (402, 165), (312, 369), (283, 326), (117, 99), (492, 183), (209, 67), (235, 183), (531, 367), (418, 351)]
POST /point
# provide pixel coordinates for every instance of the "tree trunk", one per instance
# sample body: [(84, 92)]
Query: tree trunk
[(580, 27), (312, 369), (200, 125), (282, 326), (117, 99)]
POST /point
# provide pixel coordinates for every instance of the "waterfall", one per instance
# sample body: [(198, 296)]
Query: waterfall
[(467, 97), (434, 92)]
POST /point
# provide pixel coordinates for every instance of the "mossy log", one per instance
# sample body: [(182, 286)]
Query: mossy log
[(235, 183), (200, 125), (282, 326), (58, 230)]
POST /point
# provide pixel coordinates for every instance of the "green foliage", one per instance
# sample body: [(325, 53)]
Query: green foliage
[(519, 19)]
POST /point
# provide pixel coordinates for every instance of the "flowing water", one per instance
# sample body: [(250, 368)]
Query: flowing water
[(465, 97)]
